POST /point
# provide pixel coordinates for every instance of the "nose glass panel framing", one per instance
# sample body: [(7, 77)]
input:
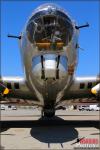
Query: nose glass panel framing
[(49, 31)]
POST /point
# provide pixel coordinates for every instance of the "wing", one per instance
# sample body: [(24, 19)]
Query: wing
[(81, 90), (16, 87)]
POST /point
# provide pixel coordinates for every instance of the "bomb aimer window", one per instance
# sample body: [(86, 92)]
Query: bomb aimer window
[(50, 31)]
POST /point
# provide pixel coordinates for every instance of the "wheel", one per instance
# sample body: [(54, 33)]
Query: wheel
[(41, 113)]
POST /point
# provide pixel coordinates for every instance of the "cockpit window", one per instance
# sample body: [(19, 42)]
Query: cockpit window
[(50, 31)]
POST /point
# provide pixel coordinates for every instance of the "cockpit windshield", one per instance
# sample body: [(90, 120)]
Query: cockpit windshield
[(49, 29)]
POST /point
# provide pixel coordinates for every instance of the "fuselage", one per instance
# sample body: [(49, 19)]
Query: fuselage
[(49, 52)]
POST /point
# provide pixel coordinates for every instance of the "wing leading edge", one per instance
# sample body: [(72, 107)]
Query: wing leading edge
[(17, 87), (80, 91)]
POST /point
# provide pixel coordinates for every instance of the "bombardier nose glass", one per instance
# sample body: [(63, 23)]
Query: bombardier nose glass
[(50, 31)]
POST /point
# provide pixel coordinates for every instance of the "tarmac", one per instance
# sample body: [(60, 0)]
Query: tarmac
[(25, 129)]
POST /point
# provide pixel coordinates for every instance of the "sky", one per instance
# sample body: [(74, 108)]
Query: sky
[(14, 15)]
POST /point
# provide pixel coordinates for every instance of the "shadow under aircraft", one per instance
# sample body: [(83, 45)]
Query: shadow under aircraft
[(54, 134)]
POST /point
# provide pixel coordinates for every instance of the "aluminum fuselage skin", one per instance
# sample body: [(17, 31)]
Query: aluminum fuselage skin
[(50, 89)]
